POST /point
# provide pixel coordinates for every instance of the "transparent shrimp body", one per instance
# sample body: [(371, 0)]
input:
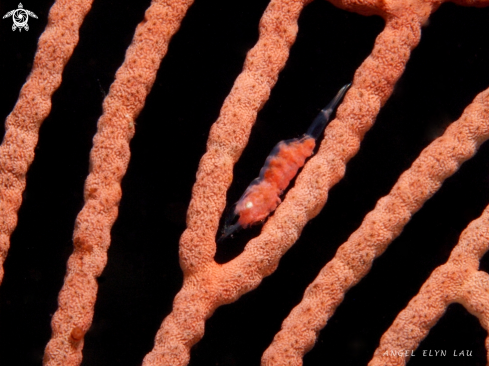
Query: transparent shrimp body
[(263, 194)]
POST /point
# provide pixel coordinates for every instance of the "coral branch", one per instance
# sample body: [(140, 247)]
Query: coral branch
[(379, 228), (229, 135), (55, 47), (201, 292), (208, 285), (108, 163), (458, 280), (371, 88)]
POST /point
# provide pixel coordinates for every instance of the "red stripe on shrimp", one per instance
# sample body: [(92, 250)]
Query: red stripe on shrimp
[(263, 196)]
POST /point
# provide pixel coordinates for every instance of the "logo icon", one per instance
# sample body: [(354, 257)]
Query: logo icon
[(20, 17)]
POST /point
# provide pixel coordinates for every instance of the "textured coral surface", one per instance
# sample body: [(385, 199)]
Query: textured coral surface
[(33, 106), (142, 276)]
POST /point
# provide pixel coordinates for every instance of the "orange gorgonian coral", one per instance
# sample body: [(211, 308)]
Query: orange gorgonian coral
[(109, 314)]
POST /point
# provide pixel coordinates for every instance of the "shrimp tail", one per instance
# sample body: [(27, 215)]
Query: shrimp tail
[(228, 231), (319, 124)]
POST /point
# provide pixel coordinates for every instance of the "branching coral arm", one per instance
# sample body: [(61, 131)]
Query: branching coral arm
[(55, 47), (458, 280), (228, 137), (208, 285), (372, 85), (108, 163), (379, 228)]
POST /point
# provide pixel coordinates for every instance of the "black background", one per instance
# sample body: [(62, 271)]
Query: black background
[(448, 68)]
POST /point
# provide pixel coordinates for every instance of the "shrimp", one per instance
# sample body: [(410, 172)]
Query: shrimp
[(263, 194)]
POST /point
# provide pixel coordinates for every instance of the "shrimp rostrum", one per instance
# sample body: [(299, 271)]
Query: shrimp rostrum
[(263, 194)]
